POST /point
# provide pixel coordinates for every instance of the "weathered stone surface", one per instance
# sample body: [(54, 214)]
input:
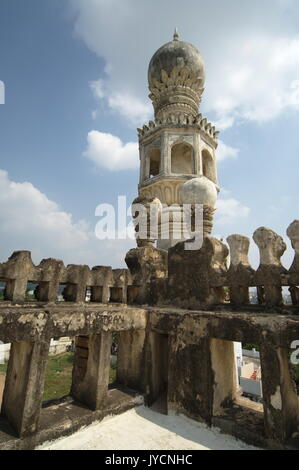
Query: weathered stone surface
[(279, 393), (33, 323), (269, 273), (191, 274), (146, 264), (240, 274), (91, 370), (293, 234), (131, 364), (22, 398)]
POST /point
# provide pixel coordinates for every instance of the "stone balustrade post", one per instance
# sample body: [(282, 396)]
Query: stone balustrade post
[(91, 369), (279, 393), (293, 234), (240, 272), (271, 247), (77, 280), (131, 363), (51, 271), (24, 384), (190, 359), (102, 281), (18, 271)]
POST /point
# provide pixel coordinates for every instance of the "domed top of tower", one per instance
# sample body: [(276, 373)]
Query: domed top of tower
[(176, 77)]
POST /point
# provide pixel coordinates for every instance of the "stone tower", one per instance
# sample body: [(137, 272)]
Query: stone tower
[(177, 149)]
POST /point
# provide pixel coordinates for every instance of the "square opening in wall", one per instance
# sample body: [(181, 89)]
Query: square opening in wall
[(60, 293), (31, 292), (96, 294), (116, 295), (4, 357), (256, 295), (88, 294), (132, 294), (249, 372), (2, 290), (58, 378)]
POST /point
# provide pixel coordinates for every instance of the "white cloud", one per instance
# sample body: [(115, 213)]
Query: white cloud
[(259, 81), (98, 88), (2, 93), (225, 151), (108, 151), (131, 108), (230, 210), (31, 221), (128, 106), (252, 60)]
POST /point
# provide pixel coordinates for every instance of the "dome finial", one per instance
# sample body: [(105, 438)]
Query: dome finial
[(176, 34)]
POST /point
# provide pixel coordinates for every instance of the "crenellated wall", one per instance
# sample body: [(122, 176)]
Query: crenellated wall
[(176, 316), (220, 274)]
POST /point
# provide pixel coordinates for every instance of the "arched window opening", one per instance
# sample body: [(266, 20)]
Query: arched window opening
[(208, 166), (155, 161), (182, 159)]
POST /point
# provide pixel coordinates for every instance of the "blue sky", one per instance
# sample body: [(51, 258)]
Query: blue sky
[(75, 74)]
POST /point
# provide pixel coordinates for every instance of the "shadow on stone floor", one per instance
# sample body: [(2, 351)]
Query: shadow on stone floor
[(187, 428)]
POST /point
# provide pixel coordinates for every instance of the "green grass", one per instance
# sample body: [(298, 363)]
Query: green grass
[(59, 375), (296, 376), (112, 375), (3, 368)]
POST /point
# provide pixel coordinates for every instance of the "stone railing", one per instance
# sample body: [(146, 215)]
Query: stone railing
[(182, 341), (103, 284), (202, 278)]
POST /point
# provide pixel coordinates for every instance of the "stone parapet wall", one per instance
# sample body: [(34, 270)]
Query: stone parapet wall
[(103, 282), (220, 274), (176, 315)]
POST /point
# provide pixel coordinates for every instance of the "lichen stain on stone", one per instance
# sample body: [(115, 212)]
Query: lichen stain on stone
[(276, 399), (77, 322), (37, 322)]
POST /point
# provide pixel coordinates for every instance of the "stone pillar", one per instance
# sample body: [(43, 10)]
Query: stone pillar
[(52, 270), (142, 164), (190, 379), (24, 384), (197, 155), (77, 280), (224, 372), (192, 274), (102, 280), (279, 393), (146, 264), (91, 369), (146, 165), (18, 270), (293, 234), (131, 359), (271, 247), (164, 154), (240, 273)]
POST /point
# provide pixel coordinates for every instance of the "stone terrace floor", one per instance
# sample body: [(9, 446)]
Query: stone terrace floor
[(144, 429)]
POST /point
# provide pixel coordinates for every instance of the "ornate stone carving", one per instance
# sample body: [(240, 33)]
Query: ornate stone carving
[(175, 120)]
